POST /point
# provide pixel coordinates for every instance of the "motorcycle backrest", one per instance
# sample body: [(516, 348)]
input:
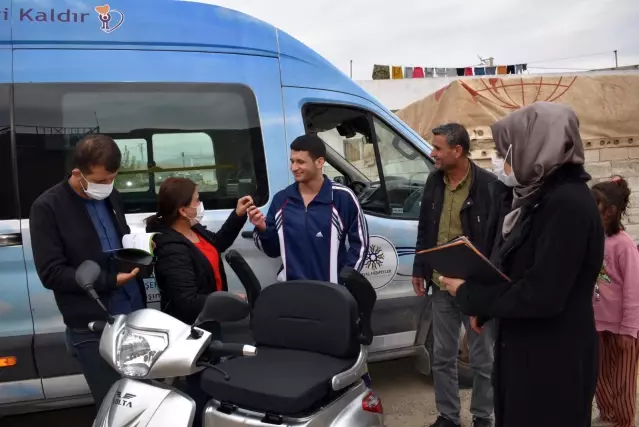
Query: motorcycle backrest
[(223, 307), (246, 275), (365, 295), (87, 273), (318, 317)]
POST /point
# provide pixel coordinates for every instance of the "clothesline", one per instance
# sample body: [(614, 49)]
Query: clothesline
[(386, 72)]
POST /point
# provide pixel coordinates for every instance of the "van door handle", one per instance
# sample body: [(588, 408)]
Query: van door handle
[(10, 239), (247, 234)]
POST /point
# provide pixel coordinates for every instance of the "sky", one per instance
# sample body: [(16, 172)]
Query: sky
[(452, 33)]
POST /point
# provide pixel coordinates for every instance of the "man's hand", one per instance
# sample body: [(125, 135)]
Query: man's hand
[(257, 218), (474, 324), (627, 342), (452, 285), (243, 205), (419, 286), (123, 278)]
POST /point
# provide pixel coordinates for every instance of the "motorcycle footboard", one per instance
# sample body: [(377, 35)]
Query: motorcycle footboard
[(345, 411), (140, 404)]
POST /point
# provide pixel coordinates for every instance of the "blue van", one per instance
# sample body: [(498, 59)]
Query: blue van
[(191, 90)]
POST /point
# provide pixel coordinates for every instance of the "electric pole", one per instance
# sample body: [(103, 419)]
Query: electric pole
[(616, 63)]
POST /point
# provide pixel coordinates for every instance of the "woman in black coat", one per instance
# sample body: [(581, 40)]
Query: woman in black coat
[(550, 244), (189, 263)]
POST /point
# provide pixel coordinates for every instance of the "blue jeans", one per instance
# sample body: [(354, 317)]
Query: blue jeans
[(84, 345)]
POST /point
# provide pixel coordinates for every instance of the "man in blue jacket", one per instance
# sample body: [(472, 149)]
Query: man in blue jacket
[(309, 222)]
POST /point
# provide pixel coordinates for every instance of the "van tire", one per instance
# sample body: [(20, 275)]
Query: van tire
[(464, 372)]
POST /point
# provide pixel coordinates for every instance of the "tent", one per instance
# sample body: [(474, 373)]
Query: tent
[(607, 104)]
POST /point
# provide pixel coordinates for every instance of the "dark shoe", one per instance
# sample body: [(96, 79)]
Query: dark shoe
[(444, 422), (482, 422)]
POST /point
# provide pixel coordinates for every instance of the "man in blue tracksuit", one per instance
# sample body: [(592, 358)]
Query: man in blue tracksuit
[(310, 222)]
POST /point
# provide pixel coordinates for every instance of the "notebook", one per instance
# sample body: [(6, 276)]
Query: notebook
[(459, 259)]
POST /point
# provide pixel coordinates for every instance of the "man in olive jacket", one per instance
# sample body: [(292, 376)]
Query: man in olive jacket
[(456, 202)]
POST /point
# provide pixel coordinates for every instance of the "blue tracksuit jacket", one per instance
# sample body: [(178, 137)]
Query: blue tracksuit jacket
[(312, 240)]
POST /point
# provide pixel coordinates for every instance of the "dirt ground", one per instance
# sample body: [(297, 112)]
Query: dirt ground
[(408, 397)]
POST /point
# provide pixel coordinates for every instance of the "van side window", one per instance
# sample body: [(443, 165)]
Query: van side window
[(8, 207), (383, 168), (209, 133)]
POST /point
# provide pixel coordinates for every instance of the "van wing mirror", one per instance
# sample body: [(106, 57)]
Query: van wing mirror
[(223, 307)]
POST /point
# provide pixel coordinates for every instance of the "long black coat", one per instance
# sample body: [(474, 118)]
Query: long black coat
[(546, 348), (184, 275)]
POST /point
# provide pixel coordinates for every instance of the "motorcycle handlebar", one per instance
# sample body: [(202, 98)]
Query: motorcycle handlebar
[(220, 349), (97, 326)]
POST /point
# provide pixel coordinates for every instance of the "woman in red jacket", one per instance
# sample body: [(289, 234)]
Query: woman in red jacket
[(189, 262)]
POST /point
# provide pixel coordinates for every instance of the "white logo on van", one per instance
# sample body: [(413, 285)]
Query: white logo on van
[(381, 262)]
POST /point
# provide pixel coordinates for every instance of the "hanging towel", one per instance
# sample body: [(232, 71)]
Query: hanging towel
[(381, 72), (430, 72), (397, 73), (452, 72), (408, 72), (490, 71), (418, 73), (511, 69), (480, 71), (502, 69), (468, 71), (524, 67), (460, 72), (518, 69), (440, 72)]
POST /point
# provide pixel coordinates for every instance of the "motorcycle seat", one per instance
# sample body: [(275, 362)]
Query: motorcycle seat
[(306, 332), (278, 381)]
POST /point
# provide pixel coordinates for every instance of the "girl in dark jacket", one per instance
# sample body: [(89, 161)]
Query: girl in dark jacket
[(551, 247), (189, 257)]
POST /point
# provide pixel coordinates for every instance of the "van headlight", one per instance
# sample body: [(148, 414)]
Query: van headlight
[(138, 350)]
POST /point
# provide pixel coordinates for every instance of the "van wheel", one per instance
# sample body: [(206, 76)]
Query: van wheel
[(464, 371)]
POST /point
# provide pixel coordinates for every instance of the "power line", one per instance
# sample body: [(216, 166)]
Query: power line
[(560, 68), (571, 57)]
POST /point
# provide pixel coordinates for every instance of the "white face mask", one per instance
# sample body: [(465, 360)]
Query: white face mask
[(199, 214), (97, 191), (498, 168)]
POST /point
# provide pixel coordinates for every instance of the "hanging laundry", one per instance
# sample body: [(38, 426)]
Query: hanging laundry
[(460, 72), (381, 72), (430, 72), (452, 72), (502, 69), (440, 72), (480, 71), (397, 73), (418, 73), (408, 72), (518, 69), (511, 69), (524, 67), (490, 71), (468, 71)]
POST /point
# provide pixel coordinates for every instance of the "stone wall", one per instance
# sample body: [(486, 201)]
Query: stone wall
[(604, 158)]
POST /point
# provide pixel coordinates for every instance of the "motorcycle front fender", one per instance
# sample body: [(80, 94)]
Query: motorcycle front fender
[(145, 404)]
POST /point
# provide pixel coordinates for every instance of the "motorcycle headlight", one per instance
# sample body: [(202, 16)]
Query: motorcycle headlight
[(138, 350)]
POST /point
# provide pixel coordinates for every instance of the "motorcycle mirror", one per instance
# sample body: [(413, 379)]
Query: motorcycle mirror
[(223, 307), (85, 276), (87, 273)]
